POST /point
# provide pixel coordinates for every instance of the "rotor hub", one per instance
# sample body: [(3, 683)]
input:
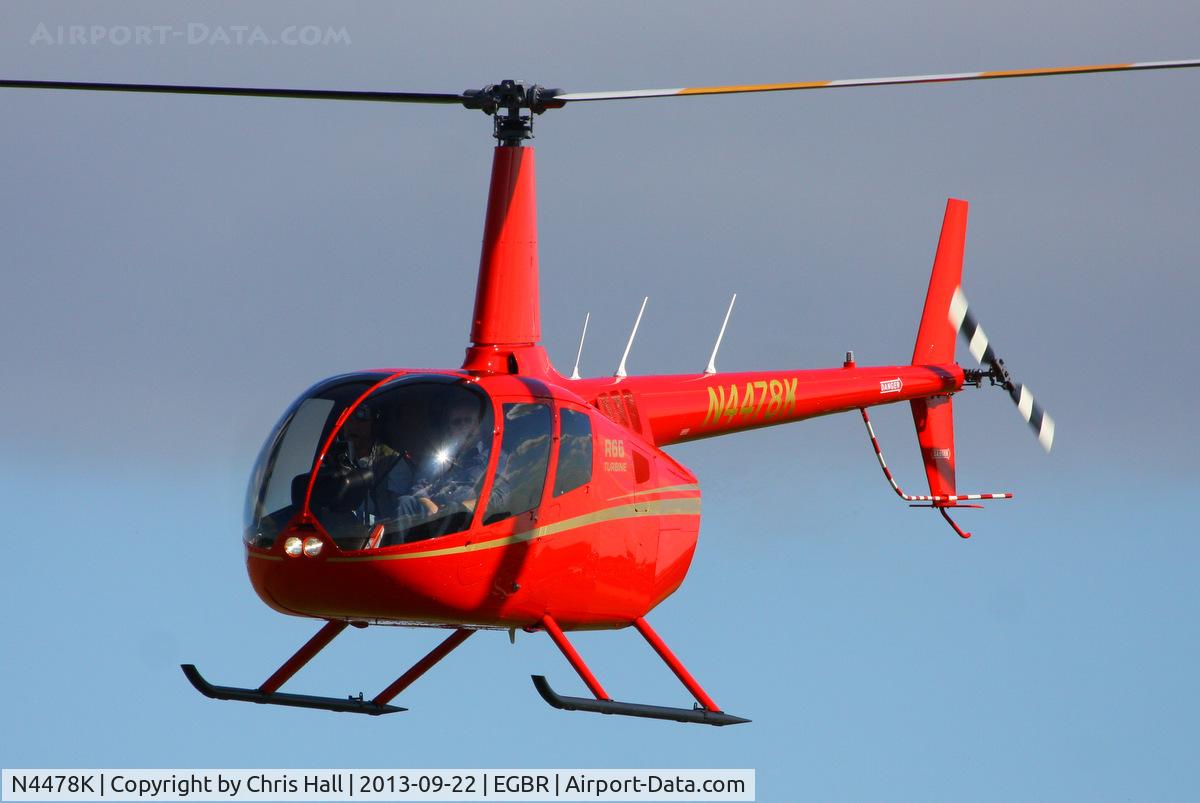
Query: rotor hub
[(505, 102)]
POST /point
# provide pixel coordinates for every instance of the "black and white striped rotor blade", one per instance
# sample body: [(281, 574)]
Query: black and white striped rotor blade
[(1034, 415), (981, 349)]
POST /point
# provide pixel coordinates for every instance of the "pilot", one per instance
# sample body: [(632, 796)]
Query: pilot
[(359, 435), (385, 471)]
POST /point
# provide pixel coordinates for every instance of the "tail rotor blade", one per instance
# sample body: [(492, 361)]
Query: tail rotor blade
[(981, 349), (1034, 415)]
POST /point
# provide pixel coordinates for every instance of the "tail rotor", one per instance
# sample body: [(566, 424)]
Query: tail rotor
[(965, 323), (946, 313)]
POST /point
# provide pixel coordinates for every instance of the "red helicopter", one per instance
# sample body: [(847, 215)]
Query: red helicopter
[(503, 495)]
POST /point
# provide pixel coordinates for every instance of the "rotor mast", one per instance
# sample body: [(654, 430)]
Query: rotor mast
[(506, 324)]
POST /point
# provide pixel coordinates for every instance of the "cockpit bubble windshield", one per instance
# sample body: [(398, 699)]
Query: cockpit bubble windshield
[(408, 464), (279, 480)]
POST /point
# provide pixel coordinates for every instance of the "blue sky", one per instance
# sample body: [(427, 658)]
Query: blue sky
[(178, 269)]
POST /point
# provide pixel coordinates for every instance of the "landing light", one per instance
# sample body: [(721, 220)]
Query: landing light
[(292, 547), (312, 546)]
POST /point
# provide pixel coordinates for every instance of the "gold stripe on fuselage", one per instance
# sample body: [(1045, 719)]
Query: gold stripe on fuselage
[(663, 490), (658, 507)]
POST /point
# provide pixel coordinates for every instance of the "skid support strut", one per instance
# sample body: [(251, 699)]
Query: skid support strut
[(678, 668), (422, 666), (706, 713), (291, 666), (268, 694)]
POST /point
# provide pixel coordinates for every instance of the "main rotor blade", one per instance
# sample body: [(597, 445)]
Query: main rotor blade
[(558, 99), (570, 97), (254, 92)]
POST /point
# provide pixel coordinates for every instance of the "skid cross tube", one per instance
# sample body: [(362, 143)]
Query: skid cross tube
[(706, 713)]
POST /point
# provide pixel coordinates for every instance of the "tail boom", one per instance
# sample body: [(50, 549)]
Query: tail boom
[(675, 409)]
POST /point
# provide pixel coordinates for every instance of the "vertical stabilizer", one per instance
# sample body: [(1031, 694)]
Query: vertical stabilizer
[(935, 337), (934, 419), (934, 416)]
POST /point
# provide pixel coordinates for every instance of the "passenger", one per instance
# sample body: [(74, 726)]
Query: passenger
[(453, 475)]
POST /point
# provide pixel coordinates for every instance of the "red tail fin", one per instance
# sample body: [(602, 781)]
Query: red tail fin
[(935, 338), (934, 417)]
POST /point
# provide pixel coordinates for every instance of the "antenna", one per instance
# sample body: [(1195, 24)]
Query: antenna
[(712, 361), (578, 354), (629, 345)]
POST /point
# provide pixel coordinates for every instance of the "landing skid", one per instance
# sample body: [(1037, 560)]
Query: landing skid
[(268, 693), (698, 715), (705, 712), (354, 705)]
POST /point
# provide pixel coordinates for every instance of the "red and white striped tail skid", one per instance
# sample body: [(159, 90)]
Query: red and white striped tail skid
[(936, 500)]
